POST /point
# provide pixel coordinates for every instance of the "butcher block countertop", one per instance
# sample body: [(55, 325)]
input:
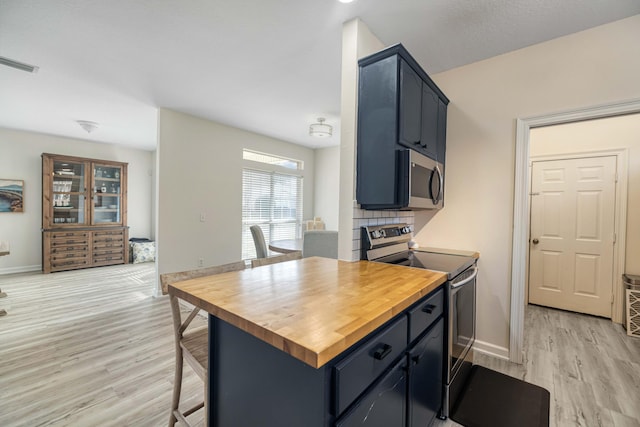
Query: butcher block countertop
[(313, 308)]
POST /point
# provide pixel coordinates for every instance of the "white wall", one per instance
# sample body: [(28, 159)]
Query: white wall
[(608, 133), (593, 67), (200, 171), (20, 159), (327, 185)]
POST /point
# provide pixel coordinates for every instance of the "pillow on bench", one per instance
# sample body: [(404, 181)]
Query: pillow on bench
[(143, 251)]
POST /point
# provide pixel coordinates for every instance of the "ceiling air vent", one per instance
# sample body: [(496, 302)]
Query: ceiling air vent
[(19, 65)]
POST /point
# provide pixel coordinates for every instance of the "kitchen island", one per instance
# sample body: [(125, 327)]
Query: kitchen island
[(315, 342)]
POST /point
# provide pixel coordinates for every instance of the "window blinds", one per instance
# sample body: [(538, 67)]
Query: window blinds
[(272, 200)]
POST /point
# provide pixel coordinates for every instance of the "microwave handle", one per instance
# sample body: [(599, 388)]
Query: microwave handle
[(440, 180), (436, 198)]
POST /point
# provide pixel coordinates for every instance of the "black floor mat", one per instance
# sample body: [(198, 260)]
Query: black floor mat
[(492, 399)]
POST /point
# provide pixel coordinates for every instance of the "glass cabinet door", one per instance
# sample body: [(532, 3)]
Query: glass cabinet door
[(107, 197), (69, 193)]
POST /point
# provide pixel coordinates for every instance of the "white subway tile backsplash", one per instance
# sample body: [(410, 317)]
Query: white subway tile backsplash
[(363, 218)]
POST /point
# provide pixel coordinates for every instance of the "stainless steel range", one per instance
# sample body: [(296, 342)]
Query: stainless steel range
[(390, 244)]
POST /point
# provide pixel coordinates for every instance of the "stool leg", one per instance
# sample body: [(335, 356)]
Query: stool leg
[(177, 387)]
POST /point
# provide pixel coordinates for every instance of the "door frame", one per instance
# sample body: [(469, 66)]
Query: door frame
[(522, 185), (619, 217)]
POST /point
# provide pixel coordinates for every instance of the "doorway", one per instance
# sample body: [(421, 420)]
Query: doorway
[(520, 241), (572, 237)]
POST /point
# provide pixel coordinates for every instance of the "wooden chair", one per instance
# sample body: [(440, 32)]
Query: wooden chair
[(191, 345), (275, 259)]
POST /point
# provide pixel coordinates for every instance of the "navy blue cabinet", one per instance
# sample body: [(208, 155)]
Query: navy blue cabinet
[(409, 114), (384, 405), (391, 378), (418, 113), (399, 107), (425, 377)]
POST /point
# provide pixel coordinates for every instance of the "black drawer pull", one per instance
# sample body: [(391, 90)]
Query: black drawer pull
[(382, 352), (416, 359), (428, 308)]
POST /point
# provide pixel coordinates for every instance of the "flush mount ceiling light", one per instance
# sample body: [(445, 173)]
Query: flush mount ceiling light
[(320, 129), (345, 1), (18, 65), (88, 126)]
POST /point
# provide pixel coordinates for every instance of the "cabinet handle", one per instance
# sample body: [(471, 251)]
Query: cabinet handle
[(416, 359), (418, 142), (428, 308), (382, 352)]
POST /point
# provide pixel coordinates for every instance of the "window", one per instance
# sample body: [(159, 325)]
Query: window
[(271, 198)]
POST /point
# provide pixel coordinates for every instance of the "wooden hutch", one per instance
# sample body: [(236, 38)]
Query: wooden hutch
[(84, 213)]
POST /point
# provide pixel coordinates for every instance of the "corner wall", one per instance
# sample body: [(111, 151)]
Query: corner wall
[(327, 185), (589, 68), (20, 159), (357, 42), (200, 171)]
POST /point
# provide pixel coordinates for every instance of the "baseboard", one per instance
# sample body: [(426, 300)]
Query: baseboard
[(491, 350), (21, 269)]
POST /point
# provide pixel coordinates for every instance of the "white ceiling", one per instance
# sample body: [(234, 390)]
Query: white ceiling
[(269, 66)]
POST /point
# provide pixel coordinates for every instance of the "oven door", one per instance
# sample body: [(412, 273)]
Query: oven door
[(462, 318)]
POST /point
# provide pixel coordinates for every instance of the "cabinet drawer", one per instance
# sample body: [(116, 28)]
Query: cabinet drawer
[(108, 234), (69, 264), (68, 256), (355, 373), (425, 313), (98, 252), (69, 247), (102, 245), (108, 259), (55, 235), (66, 239)]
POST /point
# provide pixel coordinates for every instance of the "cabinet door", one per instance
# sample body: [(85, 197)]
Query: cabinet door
[(107, 200), (442, 132), (65, 191), (429, 122), (425, 377), (410, 107), (384, 405)]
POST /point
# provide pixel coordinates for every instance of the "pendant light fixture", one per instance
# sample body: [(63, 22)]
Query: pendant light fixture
[(320, 129)]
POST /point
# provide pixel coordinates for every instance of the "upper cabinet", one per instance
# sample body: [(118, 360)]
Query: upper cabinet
[(399, 108), (79, 192), (418, 113), (107, 201)]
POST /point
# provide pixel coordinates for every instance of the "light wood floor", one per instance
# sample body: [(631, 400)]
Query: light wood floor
[(588, 364), (88, 348), (94, 348)]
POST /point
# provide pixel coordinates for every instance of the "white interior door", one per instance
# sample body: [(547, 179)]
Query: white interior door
[(572, 234)]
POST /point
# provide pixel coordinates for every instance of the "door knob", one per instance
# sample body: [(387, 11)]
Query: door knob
[(535, 241)]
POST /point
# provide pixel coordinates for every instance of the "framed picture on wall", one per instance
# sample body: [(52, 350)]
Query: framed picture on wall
[(11, 195)]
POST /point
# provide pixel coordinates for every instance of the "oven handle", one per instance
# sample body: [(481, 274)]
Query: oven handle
[(467, 280)]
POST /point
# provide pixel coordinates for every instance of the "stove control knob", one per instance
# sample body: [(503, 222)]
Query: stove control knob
[(375, 234), (405, 230), (383, 233)]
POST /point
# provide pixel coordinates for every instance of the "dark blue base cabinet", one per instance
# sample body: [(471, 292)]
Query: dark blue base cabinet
[(392, 378)]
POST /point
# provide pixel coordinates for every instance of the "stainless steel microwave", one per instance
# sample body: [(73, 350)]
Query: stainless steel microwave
[(423, 181)]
